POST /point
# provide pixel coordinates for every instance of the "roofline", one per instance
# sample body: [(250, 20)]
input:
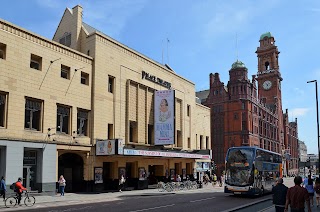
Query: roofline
[(61, 21), (139, 54), (47, 40)]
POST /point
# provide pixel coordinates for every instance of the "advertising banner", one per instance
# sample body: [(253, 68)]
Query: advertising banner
[(164, 111), (98, 175), (165, 154), (105, 147)]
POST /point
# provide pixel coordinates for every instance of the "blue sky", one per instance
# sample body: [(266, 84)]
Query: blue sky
[(202, 38)]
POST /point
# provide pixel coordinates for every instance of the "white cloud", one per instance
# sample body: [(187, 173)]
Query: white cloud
[(299, 91), (111, 17), (299, 112), (231, 18)]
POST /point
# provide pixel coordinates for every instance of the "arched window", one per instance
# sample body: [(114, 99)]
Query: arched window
[(266, 64)]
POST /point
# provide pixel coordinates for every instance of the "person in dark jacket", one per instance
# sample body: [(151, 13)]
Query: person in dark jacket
[(279, 195)]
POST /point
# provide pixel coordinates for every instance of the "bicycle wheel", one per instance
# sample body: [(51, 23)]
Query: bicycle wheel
[(29, 201), (10, 202)]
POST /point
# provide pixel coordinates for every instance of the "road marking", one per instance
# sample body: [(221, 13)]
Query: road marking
[(146, 209), (265, 209), (199, 200)]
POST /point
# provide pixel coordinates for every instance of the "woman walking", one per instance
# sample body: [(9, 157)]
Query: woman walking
[(62, 185), (122, 180), (310, 189)]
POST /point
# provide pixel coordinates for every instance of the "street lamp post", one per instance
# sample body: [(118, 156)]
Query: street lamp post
[(315, 81)]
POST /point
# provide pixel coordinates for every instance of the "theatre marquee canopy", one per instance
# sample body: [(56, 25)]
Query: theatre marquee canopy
[(164, 154)]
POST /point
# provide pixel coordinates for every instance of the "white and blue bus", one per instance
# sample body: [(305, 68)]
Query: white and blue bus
[(251, 170)]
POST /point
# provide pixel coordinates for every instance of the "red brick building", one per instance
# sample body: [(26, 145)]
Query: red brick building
[(249, 112)]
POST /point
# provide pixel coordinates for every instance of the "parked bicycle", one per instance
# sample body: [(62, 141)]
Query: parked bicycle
[(12, 201), (177, 186)]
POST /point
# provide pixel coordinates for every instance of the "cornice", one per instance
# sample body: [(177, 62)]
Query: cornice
[(55, 46)]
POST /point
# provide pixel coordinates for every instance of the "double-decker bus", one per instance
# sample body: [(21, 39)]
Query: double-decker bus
[(251, 170)]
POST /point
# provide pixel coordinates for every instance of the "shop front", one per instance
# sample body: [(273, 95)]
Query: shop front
[(33, 162)]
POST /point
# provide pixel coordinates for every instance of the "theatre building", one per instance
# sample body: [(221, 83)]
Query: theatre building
[(85, 106), (45, 97)]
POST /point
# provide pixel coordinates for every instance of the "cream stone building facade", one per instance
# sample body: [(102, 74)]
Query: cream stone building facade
[(96, 102)]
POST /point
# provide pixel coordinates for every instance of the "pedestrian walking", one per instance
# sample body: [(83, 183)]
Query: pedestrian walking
[(317, 191), (121, 183), (178, 178), (279, 195), (297, 196), (62, 184), (310, 189), (3, 188)]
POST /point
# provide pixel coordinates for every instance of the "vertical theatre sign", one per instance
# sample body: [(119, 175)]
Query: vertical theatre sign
[(164, 112)]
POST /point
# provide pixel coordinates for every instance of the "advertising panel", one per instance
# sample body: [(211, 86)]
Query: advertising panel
[(164, 112), (98, 171), (105, 147)]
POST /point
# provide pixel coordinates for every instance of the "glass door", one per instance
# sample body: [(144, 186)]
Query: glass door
[(26, 176)]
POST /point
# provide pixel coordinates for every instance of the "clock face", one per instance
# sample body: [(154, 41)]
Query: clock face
[(267, 85)]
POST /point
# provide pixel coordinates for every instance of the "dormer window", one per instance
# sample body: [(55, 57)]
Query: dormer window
[(66, 39)]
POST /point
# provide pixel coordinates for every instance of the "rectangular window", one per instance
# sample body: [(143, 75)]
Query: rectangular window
[(83, 122), (3, 104), (33, 114), (111, 84), (63, 119), (201, 142), (150, 134), (84, 78), (179, 138), (133, 132), (197, 141), (188, 110), (3, 48), (189, 143), (65, 72), (110, 131), (36, 62), (207, 142)]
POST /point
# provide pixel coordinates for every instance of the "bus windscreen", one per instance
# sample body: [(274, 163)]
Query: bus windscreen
[(239, 167)]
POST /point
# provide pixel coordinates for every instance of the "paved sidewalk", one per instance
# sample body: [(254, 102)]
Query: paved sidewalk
[(289, 183), (82, 198)]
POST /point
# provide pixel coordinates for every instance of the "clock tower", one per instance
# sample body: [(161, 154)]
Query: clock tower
[(269, 76)]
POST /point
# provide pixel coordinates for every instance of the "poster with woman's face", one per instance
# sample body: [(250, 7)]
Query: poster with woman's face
[(164, 108), (142, 174), (98, 171)]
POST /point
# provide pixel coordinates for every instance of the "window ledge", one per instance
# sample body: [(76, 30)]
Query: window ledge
[(32, 130)]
